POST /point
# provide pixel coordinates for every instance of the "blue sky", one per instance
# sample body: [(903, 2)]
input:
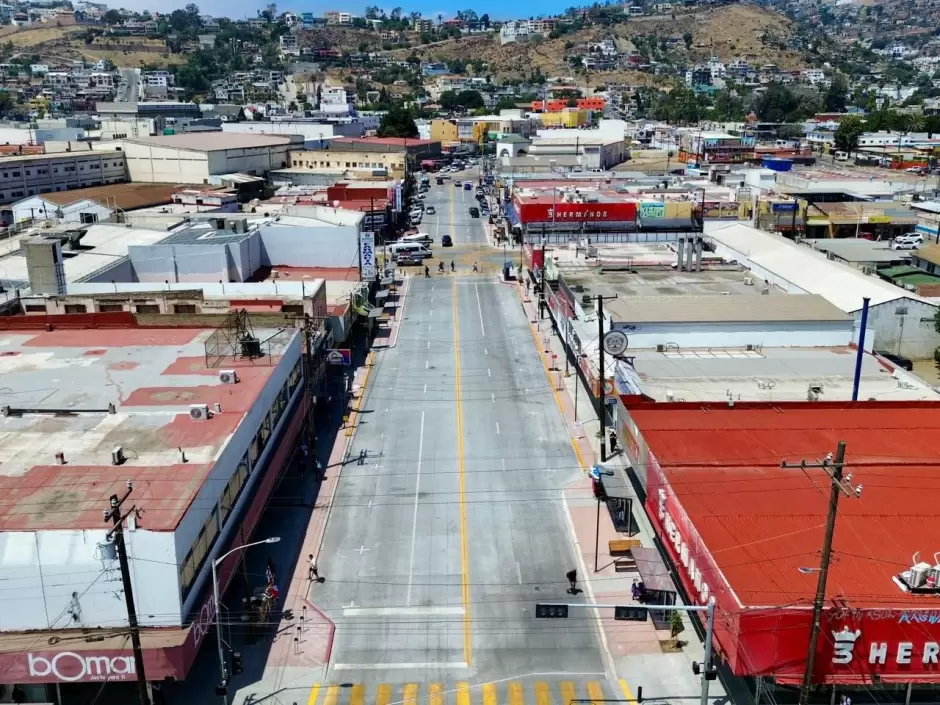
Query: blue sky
[(238, 9)]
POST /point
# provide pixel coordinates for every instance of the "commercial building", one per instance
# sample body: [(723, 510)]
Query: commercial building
[(149, 109), (200, 424), (706, 148), (387, 164), (736, 526), (558, 105), (596, 153), (414, 148), (314, 132), (195, 158), (93, 204), (33, 174)]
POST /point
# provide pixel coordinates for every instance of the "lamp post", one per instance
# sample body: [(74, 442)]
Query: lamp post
[(218, 622)]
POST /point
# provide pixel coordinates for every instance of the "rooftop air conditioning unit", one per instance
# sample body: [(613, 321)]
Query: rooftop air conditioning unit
[(117, 456), (660, 347), (199, 412), (228, 377), (749, 347), (748, 281)]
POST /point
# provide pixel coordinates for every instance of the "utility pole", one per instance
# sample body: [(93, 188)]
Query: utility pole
[(113, 514), (542, 284), (602, 381), (837, 487)]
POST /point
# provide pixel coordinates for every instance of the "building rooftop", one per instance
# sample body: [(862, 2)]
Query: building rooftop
[(804, 268), (122, 196), (214, 141), (664, 282), (761, 523), (858, 250), (931, 253), (151, 376), (338, 142), (716, 308), (60, 155)]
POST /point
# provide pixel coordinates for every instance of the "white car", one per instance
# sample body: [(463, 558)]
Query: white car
[(430, 210), (907, 242)]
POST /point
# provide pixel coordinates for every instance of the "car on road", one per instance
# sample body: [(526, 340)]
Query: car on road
[(430, 210), (907, 242), (899, 360), (467, 185), (457, 184), (440, 180), (410, 261), (916, 170), (446, 241), (474, 212), (485, 210)]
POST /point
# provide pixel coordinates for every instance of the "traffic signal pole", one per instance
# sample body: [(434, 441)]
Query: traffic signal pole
[(556, 610)]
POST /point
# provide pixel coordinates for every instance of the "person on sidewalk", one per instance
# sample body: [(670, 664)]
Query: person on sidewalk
[(452, 269), (440, 267), (572, 576), (475, 268), (427, 272), (312, 573)]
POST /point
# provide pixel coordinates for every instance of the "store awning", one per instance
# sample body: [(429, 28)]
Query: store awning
[(652, 570), (381, 294)]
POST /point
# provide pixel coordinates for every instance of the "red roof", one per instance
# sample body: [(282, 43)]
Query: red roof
[(761, 522), (391, 141)]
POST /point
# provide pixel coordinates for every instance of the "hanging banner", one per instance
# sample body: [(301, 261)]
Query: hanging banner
[(367, 266)]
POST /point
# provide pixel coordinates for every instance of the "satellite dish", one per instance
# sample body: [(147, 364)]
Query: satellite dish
[(615, 342)]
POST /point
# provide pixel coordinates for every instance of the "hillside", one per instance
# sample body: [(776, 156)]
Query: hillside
[(63, 43), (727, 32)]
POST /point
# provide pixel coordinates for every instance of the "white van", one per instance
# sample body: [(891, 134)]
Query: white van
[(412, 249), (842, 156), (420, 238)]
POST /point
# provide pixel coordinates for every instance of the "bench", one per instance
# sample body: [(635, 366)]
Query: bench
[(622, 547)]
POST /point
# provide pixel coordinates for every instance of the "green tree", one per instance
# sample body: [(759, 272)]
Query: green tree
[(687, 38), (112, 17), (834, 100), (6, 103), (850, 129), (398, 122)]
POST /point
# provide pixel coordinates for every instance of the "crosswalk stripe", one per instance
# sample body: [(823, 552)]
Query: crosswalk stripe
[(383, 695), (595, 691), (463, 693), (314, 692), (568, 693), (489, 694), (357, 695), (332, 695), (543, 695), (436, 694), (516, 693), (410, 694)]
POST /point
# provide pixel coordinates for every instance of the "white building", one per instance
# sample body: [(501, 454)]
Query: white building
[(28, 175), (514, 30), (192, 158), (334, 100)]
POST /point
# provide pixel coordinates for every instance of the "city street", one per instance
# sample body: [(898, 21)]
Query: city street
[(448, 523)]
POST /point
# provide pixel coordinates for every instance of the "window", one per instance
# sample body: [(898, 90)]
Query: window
[(17, 194), (294, 309), (14, 173), (264, 433), (75, 308), (88, 218), (201, 548), (294, 378), (184, 308), (28, 173), (110, 308), (233, 489), (147, 308), (253, 452), (35, 308)]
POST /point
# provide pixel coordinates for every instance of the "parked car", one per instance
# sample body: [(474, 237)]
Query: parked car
[(440, 180), (485, 210), (899, 360), (907, 242), (446, 241)]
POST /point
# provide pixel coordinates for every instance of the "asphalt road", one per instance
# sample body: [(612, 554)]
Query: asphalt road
[(444, 537), (128, 91)]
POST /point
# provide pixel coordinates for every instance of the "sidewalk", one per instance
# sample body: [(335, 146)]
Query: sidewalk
[(300, 651), (639, 653)]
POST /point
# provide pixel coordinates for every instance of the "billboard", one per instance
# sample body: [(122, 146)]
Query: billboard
[(367, 265), (561, 212)]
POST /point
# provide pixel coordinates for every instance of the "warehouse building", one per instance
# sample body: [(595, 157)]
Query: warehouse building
[(201, 158)]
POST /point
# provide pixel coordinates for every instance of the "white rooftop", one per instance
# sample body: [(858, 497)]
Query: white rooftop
[(805, 269)]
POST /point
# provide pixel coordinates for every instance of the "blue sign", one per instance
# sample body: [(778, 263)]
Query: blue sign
[(783, 207), (595, 473), (341, 357)]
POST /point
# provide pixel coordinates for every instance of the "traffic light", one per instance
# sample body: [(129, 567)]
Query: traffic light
[(711, 675), (238, 664), (551, 611), (630, 614)]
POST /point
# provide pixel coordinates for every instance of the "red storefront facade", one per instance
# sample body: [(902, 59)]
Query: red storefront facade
[(542, 210), (752, 562)]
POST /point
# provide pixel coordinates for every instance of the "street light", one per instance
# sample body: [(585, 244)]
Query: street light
[(215, 599)]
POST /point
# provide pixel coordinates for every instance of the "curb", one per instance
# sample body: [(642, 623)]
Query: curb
[(400, 314)]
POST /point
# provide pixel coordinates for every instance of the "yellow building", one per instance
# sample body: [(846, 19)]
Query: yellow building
[(393, 162), (570, 117), (444, 131)]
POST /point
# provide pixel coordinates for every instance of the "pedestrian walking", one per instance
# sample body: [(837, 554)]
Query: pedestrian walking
[(475, 268), (312, 573), (452, 266), (427, 272), (572, 576)]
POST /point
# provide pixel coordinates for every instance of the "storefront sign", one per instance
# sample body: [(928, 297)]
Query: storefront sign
[(652, 210), (682, 550), (367, 265), (561, 212), (880, 652), (70, 667), (783, 207)]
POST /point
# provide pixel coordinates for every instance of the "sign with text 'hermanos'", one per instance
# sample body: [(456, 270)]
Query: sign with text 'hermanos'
[(367, 265)]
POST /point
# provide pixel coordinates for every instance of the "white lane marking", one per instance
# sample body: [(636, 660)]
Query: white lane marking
[(429, 327), (518, 572), (497, 428), (414, 520), (429, 345), (493, 397), (480, 309), (362, 549), (397, 666), (489, 373), (426, 363), (441, 610), (485, 351), (425, 391)]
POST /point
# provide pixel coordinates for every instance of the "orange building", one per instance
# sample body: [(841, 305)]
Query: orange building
[(556, 105)]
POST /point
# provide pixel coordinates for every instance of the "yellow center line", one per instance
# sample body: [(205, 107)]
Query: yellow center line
[(464, 545), (489, 694), (314, 692)]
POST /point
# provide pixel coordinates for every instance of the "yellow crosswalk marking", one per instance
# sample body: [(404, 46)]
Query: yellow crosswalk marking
[(410, 694), (357, 695), (626, 689), (568, 693), (435, 694), (595, 691), (489, 694), (463, 693), (383, 694), (314, 692), (516, 693), (543, 695), (332, 694)]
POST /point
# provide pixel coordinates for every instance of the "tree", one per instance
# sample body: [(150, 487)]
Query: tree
[(112, 16), (676, 627), (6, 103), (850, 129), (687, 38), (398, 122), (485, 20), (835, 98), (372, 12)]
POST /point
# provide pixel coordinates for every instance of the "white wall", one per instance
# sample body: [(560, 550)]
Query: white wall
[(914, 330), (211, 491), (165, 165), (728, 335), (179, 263), (42, 569), (309, 246), (256, 160)]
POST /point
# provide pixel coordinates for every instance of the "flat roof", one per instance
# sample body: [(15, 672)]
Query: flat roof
[(716, 308), (214, 141), (105, 154), (152, 376), (664, 281), (761, 523), (858, 250), (931, 253), (123, 196), (811, 271), (387, 141)]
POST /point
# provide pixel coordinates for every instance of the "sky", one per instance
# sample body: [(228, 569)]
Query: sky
[(240, 9)]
